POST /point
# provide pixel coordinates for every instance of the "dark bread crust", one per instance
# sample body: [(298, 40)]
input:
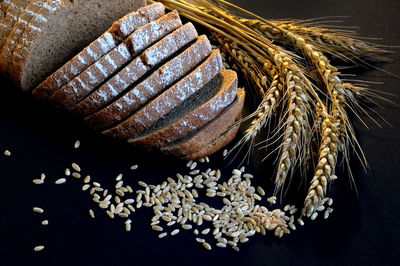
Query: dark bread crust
[(101, 46), (126, 77), (217, 144), (73, 92), (205, 135), (198, 117), (170, 98), (160, 79)]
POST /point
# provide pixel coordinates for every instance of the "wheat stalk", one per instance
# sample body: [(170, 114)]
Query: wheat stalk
[(279, 80)]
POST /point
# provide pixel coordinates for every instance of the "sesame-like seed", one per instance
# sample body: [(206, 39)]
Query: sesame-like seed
[(67, 172), (86, 179), (119, 184), (300, 221), (157, 228), (96, 184), (236, 172), (200, 240), (314, 216), (134, 167), (261, 191), (189, 163), (205, 231), (193, 166), (221, 245), (76, 167), (326, 214), (225, 152), (76, 175), (37, 181), (7, 153), (119, 177), (195, 231), (45, 222), (38, 210), (129, 201), (60, 181), (117, 200), (85, 187), (175, 232), (128, 227), (187, 226), (91, 213), (38, 248), (206, 246), (162, 235), (77, 144)]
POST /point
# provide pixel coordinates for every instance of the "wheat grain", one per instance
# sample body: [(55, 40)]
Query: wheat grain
[(7, 153), (77, 144), (38, 248), (38, 209)]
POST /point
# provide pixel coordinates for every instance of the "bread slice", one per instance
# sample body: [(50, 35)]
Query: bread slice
[(130, 74), (10, 11), (66, 33), (170, 98), (70, 94), (157, 81), (101, 46), (31, 11), (194, 113), (208, 134), (216, 144)]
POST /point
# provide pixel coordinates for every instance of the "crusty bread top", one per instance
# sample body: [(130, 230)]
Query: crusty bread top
[(65, 34), (157, 81), (217, 127), (6, 54), (191, 114), (133, 71), (9, 15), (69, 95), (101, 46), (170, 98)]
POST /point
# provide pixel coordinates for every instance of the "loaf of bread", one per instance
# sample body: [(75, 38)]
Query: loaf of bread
[(54, 33), (146, 78)]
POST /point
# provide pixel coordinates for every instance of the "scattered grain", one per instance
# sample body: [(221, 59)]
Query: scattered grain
[(76, 167), (7, 153), (206, 246), (45, 222), (38, 209), (60, 181), (76, 175), (175, 232), (38, 248), (91, 213), (77, 144)]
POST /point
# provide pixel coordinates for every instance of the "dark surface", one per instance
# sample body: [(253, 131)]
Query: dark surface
[(363, 229)]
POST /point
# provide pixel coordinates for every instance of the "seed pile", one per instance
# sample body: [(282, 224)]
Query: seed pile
[(179, 204)]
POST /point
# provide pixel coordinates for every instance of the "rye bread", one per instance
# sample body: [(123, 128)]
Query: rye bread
[(10, 11), (192, 113), (31, 11), (218, 126), (156, 82), (63, 35), (170, 98), (216, 144), (101, 46), (130, 74), (74, 91)]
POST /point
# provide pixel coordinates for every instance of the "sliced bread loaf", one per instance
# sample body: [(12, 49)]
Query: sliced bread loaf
[(31, 11), (74, 91), (10, 11), (63, 35), (170, 98), (196, 142), (101, 46), (192, 114), (158, 80), (130, 74)]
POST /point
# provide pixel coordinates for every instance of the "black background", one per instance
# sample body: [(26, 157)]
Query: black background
[(363, 229)]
